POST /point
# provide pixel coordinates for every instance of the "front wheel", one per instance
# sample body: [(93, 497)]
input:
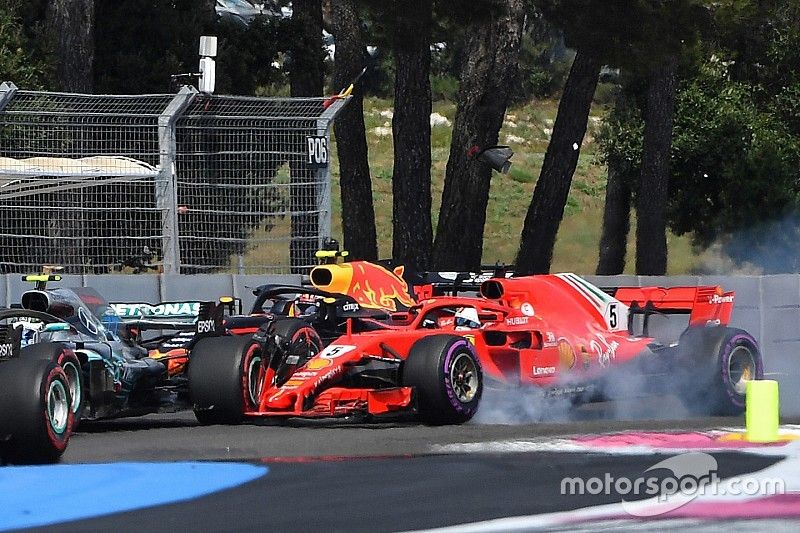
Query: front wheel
[(224, 378), (446, 375), (35, 408), (291, 343)]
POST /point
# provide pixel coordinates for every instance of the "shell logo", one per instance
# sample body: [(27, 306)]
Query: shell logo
[(318, 363), (565, 353)]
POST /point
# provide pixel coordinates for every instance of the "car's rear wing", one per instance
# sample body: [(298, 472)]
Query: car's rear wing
[(10, 341), (177, 315), (211, 318), (705, 305)]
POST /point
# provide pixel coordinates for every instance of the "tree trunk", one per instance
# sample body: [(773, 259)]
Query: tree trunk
[(307, 70), (69, 30), (411, 129), (70, 33), (651, 203), (358, 213), (616, 224), (487, 78), (550, 195), (305, 79)]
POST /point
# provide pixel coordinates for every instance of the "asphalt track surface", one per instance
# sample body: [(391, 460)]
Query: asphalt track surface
[(347, 476), (177, 437), (391, 494)]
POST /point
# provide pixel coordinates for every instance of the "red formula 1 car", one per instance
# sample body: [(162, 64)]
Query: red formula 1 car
[(433, 353)]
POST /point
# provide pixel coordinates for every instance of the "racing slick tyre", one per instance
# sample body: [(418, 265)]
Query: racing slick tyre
[(35, 410), (68, 361), (299, 342), (446, 375), (720, 362), (220, 374)]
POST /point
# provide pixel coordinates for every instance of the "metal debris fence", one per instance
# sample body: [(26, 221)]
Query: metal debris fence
[(184, 183)]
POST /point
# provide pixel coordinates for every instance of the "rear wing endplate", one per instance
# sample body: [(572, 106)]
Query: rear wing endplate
[(10, 343)]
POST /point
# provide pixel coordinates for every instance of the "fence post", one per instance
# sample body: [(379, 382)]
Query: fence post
[(323, 177), (166, 186), (7, 91)]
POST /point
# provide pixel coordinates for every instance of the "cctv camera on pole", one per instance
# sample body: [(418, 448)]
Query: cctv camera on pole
[(207, 77), (208, 51)]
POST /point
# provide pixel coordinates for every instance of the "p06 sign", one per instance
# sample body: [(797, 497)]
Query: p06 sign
[(317, 155)]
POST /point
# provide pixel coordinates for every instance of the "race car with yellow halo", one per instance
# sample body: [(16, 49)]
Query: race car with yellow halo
[(433, 351)]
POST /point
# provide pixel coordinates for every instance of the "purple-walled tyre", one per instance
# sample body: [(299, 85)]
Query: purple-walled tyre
[(718, 362), (739, 362), (446, 375)]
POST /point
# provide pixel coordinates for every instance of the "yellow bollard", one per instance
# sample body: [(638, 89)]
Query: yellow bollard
[(762, 411)]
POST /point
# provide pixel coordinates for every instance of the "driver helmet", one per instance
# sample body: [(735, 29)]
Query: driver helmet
[(304, 305), (467, 318)]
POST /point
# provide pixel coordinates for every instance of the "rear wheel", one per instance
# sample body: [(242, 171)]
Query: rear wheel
[(220, 374), (446, 375), (68, 361), (35, 408), (721, 361)]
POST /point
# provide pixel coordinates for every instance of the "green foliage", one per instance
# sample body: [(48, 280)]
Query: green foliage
[(736, 141), (19, 60), (444, 87), (140, 44), (606, 93), (631, 34), (246, 56), (379, 79), (620, 139), (736, 166), (520, 175), (541, 79), (544, 61)]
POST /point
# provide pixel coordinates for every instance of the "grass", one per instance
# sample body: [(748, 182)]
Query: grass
[(526, 130)]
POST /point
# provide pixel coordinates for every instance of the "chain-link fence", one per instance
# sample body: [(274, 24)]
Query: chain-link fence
[(197, 182)]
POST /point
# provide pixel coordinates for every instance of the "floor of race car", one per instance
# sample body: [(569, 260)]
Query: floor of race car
[(166, 473)]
